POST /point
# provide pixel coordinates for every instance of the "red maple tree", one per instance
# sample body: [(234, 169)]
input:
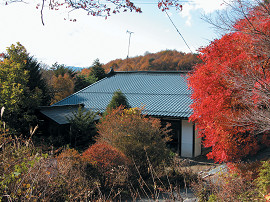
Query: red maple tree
[(231, 88)]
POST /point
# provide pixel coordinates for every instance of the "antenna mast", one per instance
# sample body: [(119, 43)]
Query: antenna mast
[(129, 32)]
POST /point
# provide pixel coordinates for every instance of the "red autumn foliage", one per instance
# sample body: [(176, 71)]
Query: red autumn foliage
[(104, 157), (231, 87)]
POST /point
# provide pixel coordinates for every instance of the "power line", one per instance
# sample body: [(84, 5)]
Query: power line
[(178, 31)]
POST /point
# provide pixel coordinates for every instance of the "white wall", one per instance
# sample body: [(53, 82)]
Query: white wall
[(187, 139)]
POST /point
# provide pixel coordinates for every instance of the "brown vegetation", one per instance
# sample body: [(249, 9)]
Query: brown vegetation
[(168, 60)]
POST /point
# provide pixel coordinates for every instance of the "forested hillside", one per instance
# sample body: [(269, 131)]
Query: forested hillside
[(168, 60)]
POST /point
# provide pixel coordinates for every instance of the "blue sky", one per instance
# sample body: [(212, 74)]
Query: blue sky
[(80, 43)]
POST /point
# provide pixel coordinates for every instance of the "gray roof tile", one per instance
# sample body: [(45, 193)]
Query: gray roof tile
[(161, 93)]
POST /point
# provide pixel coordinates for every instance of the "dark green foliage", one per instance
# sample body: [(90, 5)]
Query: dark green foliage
[(82, 129), (20, 93), (82, 81), (62, 70), (117, 100), (97, 70), (89, 76), (35, 79)]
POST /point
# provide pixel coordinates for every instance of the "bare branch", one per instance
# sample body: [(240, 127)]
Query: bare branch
[(41, 12)]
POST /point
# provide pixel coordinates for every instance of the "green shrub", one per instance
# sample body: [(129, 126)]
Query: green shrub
[(212, 198), (82, 129), (263, 181)]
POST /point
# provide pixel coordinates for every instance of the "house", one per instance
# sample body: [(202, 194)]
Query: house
[(164, 95)]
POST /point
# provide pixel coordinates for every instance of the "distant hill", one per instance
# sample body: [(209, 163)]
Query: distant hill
[(75, 68), (168, 60)]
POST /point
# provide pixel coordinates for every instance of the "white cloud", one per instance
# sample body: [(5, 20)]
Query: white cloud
[(209, 6), (186, 13), (204, 6)]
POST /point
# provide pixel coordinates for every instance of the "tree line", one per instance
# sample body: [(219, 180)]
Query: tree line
[(168, 60), (25, 85)]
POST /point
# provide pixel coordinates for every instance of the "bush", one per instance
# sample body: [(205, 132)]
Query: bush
[(140, 138), (18, 162), (71, 180), (245, 181), (263, 181), (203, 190), (111, 164), (29, 175)]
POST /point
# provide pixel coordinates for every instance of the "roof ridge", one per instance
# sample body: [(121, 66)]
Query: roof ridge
[(141, 71), (61, 106), (140, 93)]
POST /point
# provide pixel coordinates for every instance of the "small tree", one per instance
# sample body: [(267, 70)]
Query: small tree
[(117, 100), (140, 138), (97, 70), (82, 129)]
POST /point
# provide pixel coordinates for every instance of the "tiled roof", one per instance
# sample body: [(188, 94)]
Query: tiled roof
[(59, 114), (160, 93)]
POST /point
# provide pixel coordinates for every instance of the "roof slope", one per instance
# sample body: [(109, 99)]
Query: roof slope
[(160, 93), (59, 114)]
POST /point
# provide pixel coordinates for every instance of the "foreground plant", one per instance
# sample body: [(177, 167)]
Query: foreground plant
[(28, 174), (244, 181), (102, 172), (135, 135), (110, 164)]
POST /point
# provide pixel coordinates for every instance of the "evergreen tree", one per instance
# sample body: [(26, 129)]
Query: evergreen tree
[(35, 79), (97, 70), (82, 129), (62, 70), (117, 100)]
